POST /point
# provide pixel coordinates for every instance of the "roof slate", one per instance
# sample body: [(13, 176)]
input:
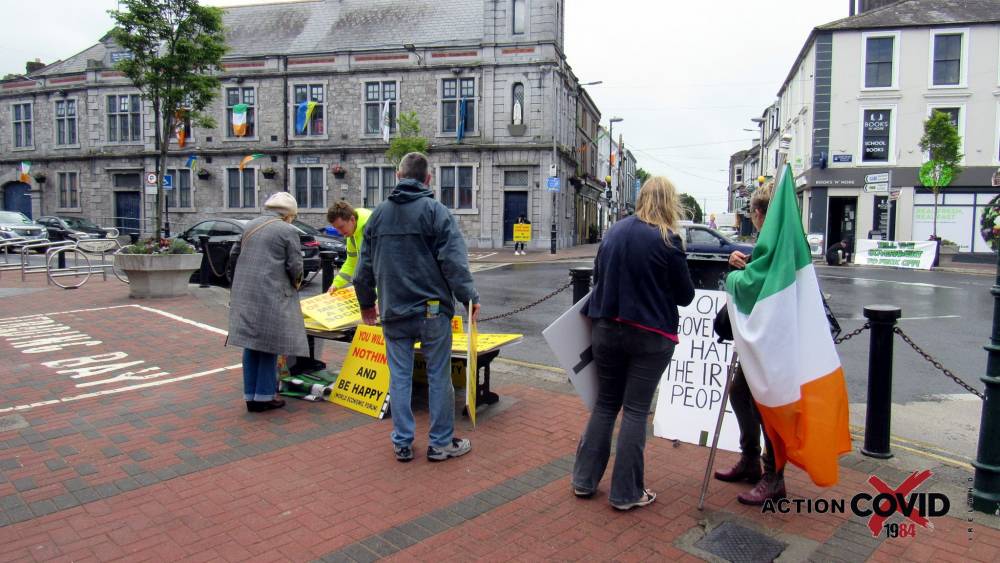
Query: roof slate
[(910, 13)]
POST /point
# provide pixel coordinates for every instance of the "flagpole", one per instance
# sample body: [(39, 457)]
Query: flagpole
[(718, 429)]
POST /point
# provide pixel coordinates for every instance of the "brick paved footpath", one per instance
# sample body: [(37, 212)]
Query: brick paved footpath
[(173, 468)]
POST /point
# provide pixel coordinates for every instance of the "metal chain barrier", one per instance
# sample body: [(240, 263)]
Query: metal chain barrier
[(852, 334), (529, 305), (937, 364)]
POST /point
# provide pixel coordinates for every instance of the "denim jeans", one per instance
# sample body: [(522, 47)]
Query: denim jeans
[(260, 375), (629, 362), (748, 417), (434, 334)]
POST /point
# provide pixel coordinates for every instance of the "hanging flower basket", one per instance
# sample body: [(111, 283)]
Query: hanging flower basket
[(204, 174), (338, 171), (990, 224), (40, 177), (269, 172)]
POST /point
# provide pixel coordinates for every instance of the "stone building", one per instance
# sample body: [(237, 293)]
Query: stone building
[(494, 70)]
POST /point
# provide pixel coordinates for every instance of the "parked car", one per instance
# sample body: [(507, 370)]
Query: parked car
[(223, 233), (728, 231), (14, 224), (708, 253), (72, 228), (327, 242)]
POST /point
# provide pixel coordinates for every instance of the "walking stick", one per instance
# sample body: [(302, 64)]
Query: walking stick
[(718, 428)]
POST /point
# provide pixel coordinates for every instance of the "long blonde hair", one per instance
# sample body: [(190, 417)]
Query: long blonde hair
[(659, 205)]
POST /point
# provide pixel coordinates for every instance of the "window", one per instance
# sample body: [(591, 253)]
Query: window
[(701, 236), (515, 179), (875, 132), (739, 174), (878, 62), (241, 99), (458, 102), (517, 104), (309, 187), (518, 16), (22, 125), (377, 95), (182, 123), (309, 121), (947, 63), (180, 196), (456, 187), (379, 183), (242, 189), (128, 180), (69, 193), (124, 118), (955, 116), (66, 122)]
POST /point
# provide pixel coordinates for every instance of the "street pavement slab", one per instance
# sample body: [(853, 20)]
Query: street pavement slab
[(103, 458)]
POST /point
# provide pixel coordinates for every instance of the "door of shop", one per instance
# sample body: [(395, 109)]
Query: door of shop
[(16, 198), (515, 204), (842, 223), (128, 210)]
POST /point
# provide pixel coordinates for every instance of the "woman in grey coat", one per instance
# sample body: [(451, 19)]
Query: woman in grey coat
[(265, 317)]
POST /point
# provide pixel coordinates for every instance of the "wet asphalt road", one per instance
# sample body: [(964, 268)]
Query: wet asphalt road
[(947, 314)]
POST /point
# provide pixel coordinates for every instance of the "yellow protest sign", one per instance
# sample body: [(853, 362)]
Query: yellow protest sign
[(522, 232), (456, 325), (484, 342), (471, 375), (313, 325), (333, 311), (363, 383)]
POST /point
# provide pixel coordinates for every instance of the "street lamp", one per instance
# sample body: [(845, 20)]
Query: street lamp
[(611, 153), (594, 83), (760, 159)]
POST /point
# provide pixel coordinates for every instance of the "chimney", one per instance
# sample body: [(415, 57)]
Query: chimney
[(32, 66)]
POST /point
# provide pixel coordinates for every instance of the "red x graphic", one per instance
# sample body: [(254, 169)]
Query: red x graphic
[(876, 521)]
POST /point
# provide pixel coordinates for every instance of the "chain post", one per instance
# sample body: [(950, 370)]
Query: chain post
[(529, 305), (205, 261), (581, 282), (986, 482), (882, 319)]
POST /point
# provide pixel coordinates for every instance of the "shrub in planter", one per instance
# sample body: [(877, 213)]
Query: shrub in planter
[(158, 267)]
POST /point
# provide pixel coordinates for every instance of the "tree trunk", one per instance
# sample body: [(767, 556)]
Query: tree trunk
[(160, 165), (935, 212)]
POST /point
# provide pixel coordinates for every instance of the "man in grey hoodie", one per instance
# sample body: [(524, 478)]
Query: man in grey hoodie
[(415, 257)]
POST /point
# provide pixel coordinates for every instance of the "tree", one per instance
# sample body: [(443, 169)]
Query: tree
[(642, 175), (692, 210), (943, 144), (409, 139), (175, 46)]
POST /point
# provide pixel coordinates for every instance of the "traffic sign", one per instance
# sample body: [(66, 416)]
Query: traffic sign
[(877, 187), (875, 178), (168, 181), (553, 183), (894, 194), (638, 184), (151, 178)]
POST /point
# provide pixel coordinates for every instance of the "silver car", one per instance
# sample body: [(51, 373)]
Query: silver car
[(14, 224)]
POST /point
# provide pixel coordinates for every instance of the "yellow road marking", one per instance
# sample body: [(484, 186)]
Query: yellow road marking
[(531, 365), (929, 455)]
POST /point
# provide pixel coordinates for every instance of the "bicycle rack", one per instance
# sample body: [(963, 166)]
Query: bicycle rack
[(43, 244), (7, 245), (83, 248)]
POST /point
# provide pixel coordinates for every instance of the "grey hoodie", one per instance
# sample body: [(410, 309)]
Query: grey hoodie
[(413, 253)]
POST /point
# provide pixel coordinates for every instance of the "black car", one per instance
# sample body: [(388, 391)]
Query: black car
[(71, 228), (223, 233), (327, 243), (708, 253)]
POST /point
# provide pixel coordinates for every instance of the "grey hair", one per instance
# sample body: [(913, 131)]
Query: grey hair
[(413, 166)]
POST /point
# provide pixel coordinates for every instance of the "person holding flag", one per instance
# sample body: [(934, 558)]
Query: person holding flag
[(350, 222), (787, 355)]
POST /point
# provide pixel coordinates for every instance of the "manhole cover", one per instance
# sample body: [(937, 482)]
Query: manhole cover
[(12, 422), (737, 544)]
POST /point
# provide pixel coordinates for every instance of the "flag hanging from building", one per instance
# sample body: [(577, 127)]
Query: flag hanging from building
[(240, 120), (785, 346), (386, 122), (192, 163), (304, 115), (180, 128), (25, 168), (249, 158), (463, 108)]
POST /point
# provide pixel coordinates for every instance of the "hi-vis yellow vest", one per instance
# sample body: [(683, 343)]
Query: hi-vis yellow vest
[(346, 274)]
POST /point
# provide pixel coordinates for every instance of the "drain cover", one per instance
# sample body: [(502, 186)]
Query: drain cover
[(12, 422), (738, 544)]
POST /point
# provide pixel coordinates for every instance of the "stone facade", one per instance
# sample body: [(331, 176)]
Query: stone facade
[(269, 56)]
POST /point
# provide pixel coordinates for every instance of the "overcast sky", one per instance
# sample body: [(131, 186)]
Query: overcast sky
[(686, 77)]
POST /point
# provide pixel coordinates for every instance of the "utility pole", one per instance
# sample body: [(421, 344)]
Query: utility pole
[(555, 159)]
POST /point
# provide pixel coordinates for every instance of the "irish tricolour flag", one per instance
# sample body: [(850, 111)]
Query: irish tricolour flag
[(785, 347)]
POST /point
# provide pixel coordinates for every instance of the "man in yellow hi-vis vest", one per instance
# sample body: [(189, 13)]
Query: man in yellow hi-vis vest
[(351, 223)]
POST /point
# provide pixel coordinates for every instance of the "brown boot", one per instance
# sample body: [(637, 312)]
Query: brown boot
[(771, 486), (746, 469)]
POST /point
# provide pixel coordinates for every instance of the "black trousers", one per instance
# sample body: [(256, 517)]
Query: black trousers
[(749, 420)]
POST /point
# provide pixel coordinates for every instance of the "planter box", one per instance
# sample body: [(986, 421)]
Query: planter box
[(158, 275)]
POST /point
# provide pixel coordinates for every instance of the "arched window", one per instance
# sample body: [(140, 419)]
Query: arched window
[(517, 104), (518, 16)]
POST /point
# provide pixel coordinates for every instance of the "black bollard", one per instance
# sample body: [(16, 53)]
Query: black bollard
[(878, 417), (203, 274), (133, 238), (986, 482), (326, 264), (552, 240), (581, 282), (61, 260)]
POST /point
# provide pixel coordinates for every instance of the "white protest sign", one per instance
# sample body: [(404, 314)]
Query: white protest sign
[(691, 388), (899, 254), (569, 338)]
